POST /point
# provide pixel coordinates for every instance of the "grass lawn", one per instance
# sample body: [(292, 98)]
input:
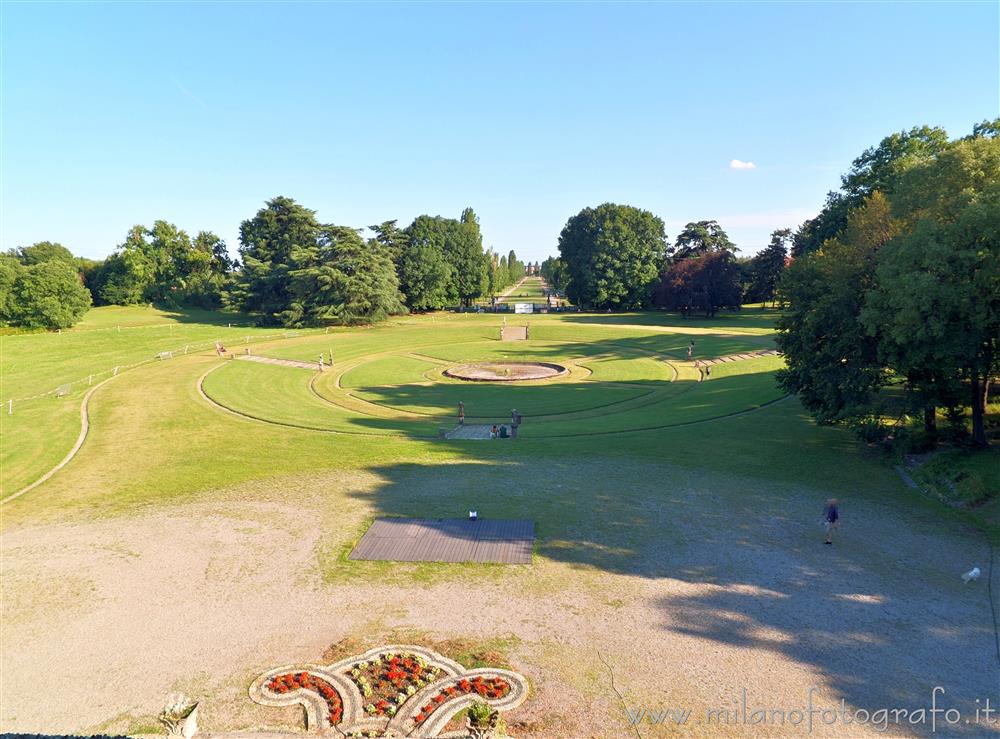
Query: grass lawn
[(530, 290), (200, 536)]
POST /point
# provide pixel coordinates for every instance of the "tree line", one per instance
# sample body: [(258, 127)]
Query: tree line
[(894, 294), (291, 270), (618, 257), (892, 290)]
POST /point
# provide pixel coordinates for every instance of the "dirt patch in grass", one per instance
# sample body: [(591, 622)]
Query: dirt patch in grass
[(467, 652)]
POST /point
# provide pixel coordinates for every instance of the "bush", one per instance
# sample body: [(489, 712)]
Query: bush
[(870, 429), (47, 295)]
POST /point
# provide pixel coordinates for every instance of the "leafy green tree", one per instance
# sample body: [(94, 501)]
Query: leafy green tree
[(47, 294), (44, 251), (515, 268), (832, 361), (499, 277), (426, 275), (553, 271), (169, 250), (767, 266), (876, 169), (371, 288), (126, 274), (701, 237), (10, 270), (163, 265), (986, 129), (391, 238), (460, 244), (342, 279), (936, 306), (267, 243), (613, 255), (464, 251), (206, 272)]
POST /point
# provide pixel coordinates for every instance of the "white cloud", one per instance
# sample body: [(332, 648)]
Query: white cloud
[(738, 164)]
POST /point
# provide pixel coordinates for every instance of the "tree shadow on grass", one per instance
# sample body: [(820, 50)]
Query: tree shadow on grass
[(599, 528), (569, 409), (881, 619), (748, 318)]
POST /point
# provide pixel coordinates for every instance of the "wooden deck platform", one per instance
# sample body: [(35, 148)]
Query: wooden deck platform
[(504, 541)]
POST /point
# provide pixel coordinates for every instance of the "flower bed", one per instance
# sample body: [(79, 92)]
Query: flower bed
[(495, 687), (369, 695), (388, 680), (304, 681)]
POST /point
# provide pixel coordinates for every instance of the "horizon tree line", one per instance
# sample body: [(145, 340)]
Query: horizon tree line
[(291, 269)]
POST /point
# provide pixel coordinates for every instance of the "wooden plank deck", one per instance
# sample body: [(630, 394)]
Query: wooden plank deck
[(504, 541)]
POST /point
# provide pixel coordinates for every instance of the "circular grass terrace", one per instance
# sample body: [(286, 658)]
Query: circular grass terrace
[(597, 389)]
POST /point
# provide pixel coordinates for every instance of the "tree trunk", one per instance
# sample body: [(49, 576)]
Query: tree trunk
[(930, 419), (980, 391)]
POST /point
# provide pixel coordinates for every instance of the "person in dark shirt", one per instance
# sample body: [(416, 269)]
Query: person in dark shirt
[(831, 519)]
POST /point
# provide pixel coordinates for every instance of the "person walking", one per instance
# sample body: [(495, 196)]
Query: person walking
[(831, 518), (461, 413)]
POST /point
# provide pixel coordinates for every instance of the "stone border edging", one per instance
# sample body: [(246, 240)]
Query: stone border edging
[(456, 371), (403, 722)]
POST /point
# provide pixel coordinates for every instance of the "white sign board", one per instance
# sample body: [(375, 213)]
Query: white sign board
[(524, 307)]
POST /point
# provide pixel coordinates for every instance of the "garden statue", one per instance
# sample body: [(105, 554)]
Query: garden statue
[(180, 717)]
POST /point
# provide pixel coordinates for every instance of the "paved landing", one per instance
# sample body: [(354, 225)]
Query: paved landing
[(478, 431), (737, 357), (504, 541), (283, 362)]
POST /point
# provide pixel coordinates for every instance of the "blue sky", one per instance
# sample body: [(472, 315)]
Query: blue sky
[(197, 112)]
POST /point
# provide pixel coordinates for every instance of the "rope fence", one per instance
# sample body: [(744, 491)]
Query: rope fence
[(67, 388)]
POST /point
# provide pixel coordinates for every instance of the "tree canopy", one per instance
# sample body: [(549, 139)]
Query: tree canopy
[(701, 237), (701, 284), (298, 271), (41, 287), (613, 256), (908, 293), (876, 169)]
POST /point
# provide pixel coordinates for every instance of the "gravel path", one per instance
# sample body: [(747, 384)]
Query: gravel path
[(200, 598)]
